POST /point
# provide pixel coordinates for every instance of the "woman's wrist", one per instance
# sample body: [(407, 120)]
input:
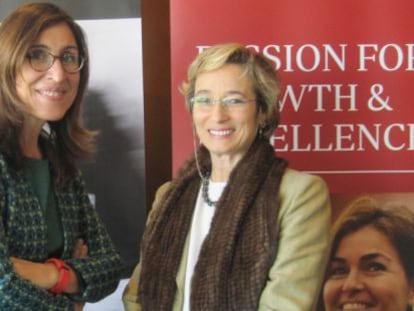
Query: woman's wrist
[(63, 277)]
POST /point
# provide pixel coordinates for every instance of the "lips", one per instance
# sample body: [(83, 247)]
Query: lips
[(355, 306), (51, 93), (220, 132)]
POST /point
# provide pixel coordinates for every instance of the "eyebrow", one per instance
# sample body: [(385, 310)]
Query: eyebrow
[(235, 93), (372, 256), (338, 260), (366, 257), (43, 46), (231, 92)]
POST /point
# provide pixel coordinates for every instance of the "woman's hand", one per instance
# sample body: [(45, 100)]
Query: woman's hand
[(80, 251), (78, 306), (44, 275)]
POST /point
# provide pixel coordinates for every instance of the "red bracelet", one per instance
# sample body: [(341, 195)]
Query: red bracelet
[(64, 276)]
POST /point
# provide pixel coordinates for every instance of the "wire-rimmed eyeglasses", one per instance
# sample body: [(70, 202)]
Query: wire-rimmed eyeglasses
[(42, 60), (229, 102)]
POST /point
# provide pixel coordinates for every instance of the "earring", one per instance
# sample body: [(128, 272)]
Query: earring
[(261, 129)]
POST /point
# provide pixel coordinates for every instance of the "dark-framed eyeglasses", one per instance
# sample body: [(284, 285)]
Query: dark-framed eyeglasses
[(42, 60)]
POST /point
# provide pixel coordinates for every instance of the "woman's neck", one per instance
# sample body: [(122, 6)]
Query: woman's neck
[(29, 141), (223, 165)]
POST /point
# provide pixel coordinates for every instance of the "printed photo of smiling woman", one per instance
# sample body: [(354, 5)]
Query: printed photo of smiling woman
[(371, 265)]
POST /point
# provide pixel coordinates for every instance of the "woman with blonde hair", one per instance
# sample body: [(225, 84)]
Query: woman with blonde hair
[(236, 229)]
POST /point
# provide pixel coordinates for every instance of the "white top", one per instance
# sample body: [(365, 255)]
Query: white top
[(200, 226)]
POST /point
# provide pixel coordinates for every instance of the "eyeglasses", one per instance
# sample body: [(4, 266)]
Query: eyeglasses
[(42, 60), (229, 102)]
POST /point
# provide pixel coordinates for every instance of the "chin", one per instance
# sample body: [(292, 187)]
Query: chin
[(54, 117)]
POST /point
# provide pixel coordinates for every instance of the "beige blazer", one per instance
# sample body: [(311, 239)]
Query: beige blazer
[(295, 277)]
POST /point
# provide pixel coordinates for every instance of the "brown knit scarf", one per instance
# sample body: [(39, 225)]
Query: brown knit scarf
[(240, 247)]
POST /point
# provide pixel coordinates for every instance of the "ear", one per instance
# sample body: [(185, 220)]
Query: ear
[(261, 117)]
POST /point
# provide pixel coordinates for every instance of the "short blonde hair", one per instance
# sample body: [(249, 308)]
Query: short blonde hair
[(265, 79)]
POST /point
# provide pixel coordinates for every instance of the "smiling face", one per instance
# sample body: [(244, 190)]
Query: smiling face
[(49, 94), (226, 131), (366, 273)]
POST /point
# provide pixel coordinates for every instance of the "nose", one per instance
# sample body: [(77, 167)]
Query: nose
[(353, 282), (57, 72), (219, 111)]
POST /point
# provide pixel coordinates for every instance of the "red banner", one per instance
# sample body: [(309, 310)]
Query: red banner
[(347, 68)]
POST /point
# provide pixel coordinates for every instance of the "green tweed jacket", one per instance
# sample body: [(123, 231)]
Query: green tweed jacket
[(23, 234)]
